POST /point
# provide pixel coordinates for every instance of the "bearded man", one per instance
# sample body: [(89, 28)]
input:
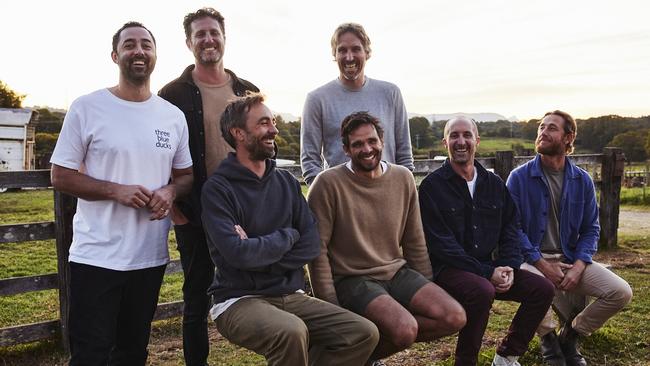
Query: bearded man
[(559, 236)]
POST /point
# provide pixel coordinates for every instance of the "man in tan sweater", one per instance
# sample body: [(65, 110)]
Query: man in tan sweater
[(373, 257)]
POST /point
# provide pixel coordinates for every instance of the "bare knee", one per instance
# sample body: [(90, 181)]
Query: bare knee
[(404, 336), (456, 318)]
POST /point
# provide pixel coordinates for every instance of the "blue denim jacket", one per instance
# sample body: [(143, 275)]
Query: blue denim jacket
[(579, 228)]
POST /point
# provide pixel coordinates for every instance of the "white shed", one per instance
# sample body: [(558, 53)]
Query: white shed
[(17, 139)]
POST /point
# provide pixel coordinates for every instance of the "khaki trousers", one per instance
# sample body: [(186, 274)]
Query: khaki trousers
[(610, 292), (298, 330)]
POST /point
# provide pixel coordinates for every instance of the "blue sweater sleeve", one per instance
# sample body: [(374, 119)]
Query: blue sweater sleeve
[(219, 216), (306, 248), (530, 251), (442, 244)]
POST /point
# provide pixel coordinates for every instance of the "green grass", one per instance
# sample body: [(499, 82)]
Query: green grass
[(489, 145), (624, 340), (635, 196)]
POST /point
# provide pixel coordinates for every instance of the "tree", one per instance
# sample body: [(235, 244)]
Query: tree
[(632, 143), (9, 98), (421, 133)]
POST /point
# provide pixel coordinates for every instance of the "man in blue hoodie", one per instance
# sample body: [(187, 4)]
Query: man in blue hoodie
[(260, 234)]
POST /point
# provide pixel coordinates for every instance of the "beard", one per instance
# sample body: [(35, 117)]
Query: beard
[(359, 163), (551, 149), (137, 75), (259, 150)]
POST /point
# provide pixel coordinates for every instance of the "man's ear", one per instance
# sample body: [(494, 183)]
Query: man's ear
[(237, 133), (346, 150), (114, 56)]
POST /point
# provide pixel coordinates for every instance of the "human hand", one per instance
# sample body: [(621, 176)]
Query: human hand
[(240, 231), (573, 276), (554, 271), (161, 201), (134, 196), (502, 278)]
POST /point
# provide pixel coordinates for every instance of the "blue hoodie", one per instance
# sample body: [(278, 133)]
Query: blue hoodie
[(282, 233)]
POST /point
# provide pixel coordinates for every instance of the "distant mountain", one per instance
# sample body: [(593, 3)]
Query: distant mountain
[(479, 117), (287, 117)]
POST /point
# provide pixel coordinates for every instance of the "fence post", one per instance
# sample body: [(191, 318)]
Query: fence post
[(504, 162), (64, 209), (612, 170)]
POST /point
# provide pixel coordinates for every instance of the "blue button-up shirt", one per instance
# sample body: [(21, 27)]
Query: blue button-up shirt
[(579, 228)]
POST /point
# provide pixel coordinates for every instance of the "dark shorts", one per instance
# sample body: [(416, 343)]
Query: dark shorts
[(356, 292)]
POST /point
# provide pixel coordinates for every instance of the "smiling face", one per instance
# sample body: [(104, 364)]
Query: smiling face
[(135, 54), (351, 57), (259, 134), (206, 41), (364, 149), (461, 140), (552, 140)]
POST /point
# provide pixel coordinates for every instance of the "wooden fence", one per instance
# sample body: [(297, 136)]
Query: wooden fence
[(608, 179)]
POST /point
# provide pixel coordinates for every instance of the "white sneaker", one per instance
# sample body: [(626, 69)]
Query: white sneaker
[(505, 361)]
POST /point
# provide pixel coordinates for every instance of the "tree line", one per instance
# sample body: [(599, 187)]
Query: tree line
[(632, 134)]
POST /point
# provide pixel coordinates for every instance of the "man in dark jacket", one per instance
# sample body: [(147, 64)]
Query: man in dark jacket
[(202, 93), (470, 225), (261, 233)]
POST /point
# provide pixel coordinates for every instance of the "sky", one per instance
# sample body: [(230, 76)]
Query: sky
[(512, 57)]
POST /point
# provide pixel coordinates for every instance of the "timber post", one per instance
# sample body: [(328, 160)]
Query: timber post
[(504, 163), (64, 210), (612, 169)]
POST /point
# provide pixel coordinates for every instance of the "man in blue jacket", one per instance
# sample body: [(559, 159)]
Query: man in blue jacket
[(260, 234), (559, 236), (470, 225)]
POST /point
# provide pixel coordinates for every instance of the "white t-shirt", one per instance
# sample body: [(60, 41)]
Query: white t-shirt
[(124, 142), (471, 185)]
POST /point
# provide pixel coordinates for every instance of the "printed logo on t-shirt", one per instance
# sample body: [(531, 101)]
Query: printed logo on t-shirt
[(163, 139)]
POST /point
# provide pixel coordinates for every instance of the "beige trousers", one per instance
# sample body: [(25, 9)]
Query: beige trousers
[(609, 291), (298, 330)]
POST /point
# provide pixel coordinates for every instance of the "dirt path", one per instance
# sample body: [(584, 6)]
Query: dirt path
[(634, 222)]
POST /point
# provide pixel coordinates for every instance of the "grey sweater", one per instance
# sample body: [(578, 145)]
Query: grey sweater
[(326, 107)]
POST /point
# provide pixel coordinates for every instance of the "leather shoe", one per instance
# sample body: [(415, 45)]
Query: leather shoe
[(568, 339), (551, 351)]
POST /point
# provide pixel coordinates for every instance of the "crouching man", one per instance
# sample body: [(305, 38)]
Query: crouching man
[(373, 257), (260, 234), (470, 223), (559, 235)]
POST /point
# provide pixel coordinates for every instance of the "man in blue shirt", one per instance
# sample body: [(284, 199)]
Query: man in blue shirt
[(471, 228), (559, 235)]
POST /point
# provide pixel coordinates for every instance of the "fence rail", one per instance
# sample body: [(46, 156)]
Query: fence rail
[(611, 171)]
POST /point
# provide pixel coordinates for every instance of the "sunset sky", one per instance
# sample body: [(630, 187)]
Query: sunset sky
[(516, 58)]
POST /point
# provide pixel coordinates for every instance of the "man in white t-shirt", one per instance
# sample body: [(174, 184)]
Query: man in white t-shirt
[(123, 152)]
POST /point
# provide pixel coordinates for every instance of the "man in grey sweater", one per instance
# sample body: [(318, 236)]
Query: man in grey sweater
[(352, 91)]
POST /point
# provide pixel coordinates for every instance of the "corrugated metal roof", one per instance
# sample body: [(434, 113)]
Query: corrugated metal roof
[(15, 116)]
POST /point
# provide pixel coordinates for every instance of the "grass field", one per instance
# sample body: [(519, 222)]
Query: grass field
[(623, 341)]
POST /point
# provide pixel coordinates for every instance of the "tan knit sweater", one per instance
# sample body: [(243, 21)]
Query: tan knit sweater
[(368, 227)]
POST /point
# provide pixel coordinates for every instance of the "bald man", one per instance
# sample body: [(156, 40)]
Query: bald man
[(470, 225)]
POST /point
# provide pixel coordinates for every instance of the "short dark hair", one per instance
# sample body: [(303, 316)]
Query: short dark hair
[(202, 13), (354, 28), (570, 126), (235, 114), (354, 121), (131, 24)]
